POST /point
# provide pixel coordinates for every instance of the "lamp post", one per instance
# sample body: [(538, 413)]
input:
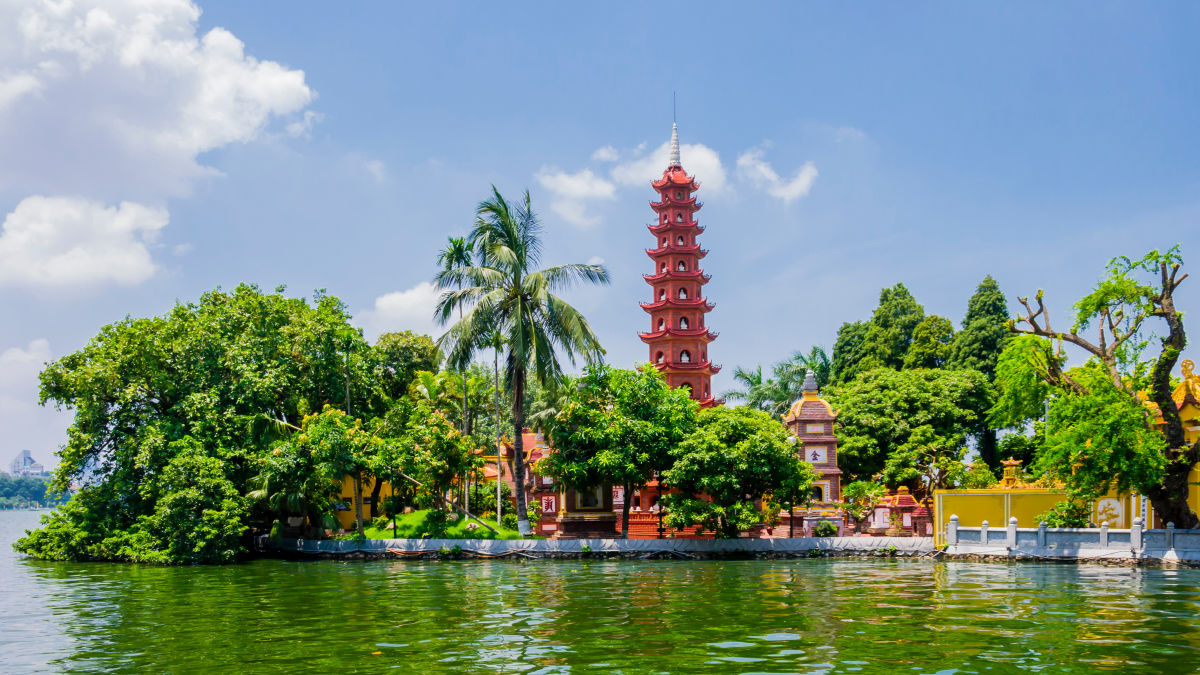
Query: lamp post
[(658, 505)]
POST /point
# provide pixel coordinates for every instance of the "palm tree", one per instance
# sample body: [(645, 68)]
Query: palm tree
[(759, 392), (502, 291), (547, 401), (457, 255)]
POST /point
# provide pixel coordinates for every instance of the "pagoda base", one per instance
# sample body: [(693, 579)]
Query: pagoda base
[(586, 526)]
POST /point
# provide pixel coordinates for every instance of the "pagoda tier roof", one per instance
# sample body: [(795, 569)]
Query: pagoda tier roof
[(694, 249), (693, 275), (698, 303), (688, 368), (690, 204), (675, 176), (667, 227), (666, 335)]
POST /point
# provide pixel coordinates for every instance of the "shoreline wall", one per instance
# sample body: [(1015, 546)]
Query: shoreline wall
[(575, 548)]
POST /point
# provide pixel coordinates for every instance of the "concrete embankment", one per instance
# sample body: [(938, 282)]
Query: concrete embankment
[(373, 549)]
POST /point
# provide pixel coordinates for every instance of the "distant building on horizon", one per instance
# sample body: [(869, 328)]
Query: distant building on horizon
[(25, 465)]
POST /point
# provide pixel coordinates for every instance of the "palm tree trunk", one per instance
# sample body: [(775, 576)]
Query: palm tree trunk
[(518, 409), (358, 517), (496, 404)]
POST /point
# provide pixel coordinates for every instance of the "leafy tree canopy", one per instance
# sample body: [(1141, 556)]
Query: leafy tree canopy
[(618, 428), (984, 330), (931, 343), (912, 419), (732, 460)]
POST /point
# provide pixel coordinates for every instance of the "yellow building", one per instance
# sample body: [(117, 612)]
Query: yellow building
[(346, 511), (1012, 498)]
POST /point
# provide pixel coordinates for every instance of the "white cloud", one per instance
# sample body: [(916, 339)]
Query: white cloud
[(606, 154), (377, 169), (699, 160), (55, 242), (595, 260), (573, 191), (116, 100), (25, 423), (302, 128), (752, 167), (410, 309)]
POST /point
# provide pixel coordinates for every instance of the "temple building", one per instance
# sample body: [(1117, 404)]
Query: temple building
[(678, 337), (811, 420)]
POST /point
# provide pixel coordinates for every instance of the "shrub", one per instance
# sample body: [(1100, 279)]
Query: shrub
[(1067, 513), (825, 529)]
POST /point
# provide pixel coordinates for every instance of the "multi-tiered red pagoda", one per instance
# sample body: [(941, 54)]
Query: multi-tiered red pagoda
[(678, 336)]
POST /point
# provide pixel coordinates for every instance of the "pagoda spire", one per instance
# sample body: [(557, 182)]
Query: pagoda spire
[(675, 146)]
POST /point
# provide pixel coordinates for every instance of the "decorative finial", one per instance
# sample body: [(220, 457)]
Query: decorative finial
[(1188, 369), (675, 145), (810, 381)]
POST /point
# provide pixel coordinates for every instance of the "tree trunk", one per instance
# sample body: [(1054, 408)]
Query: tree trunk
[(358, 517), (1170, 499), (987, 449), (625, 511), (375, 490), (496, 405), (518, 409)]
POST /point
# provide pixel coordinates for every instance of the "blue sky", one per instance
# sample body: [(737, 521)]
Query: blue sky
[(152, 149)]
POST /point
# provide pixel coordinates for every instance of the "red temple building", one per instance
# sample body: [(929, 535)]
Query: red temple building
[(678, 336)]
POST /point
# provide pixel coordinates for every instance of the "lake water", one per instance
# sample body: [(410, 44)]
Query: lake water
[(803, 616)]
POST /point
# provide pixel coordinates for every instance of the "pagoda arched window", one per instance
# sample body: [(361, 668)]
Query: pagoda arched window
[(662, 324), (679, 194), (688, 386), (679, 217), (685, 357), (664, 241), (662, 294), (682, 266), (658, 358), (683, 294), (818, 493), (678, 240), (662, 268), (683, 323)]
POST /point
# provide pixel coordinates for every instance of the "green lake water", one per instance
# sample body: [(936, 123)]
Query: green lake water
[(803, 616)]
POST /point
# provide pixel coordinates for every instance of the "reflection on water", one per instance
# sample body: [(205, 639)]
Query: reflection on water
[(836, 616)]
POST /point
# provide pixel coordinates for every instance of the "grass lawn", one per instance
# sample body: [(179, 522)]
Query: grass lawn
[(413, 526)]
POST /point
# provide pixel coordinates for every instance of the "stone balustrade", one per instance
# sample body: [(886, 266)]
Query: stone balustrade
[(1137, 543)]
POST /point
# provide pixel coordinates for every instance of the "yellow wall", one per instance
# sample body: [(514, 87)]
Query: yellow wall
[(998, 505), (346, 496)]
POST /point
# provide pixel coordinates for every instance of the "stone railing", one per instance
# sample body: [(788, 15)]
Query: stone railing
[(1135, 543)]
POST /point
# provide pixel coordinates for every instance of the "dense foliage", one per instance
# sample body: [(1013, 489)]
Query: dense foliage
[(618, 428), (190, 427), (724, 469), (910, 426)]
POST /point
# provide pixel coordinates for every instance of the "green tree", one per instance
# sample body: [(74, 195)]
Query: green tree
[(977, 477), (618, 427), (978, 346), (861, 497), (931, 342), (548, 401), (225, 372), (984, 330), (1098, 433), (929, 457), (734, 458), (849, 349), (398, 357), (504, 290), (758, 392), (891, 331), (918, 416)]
